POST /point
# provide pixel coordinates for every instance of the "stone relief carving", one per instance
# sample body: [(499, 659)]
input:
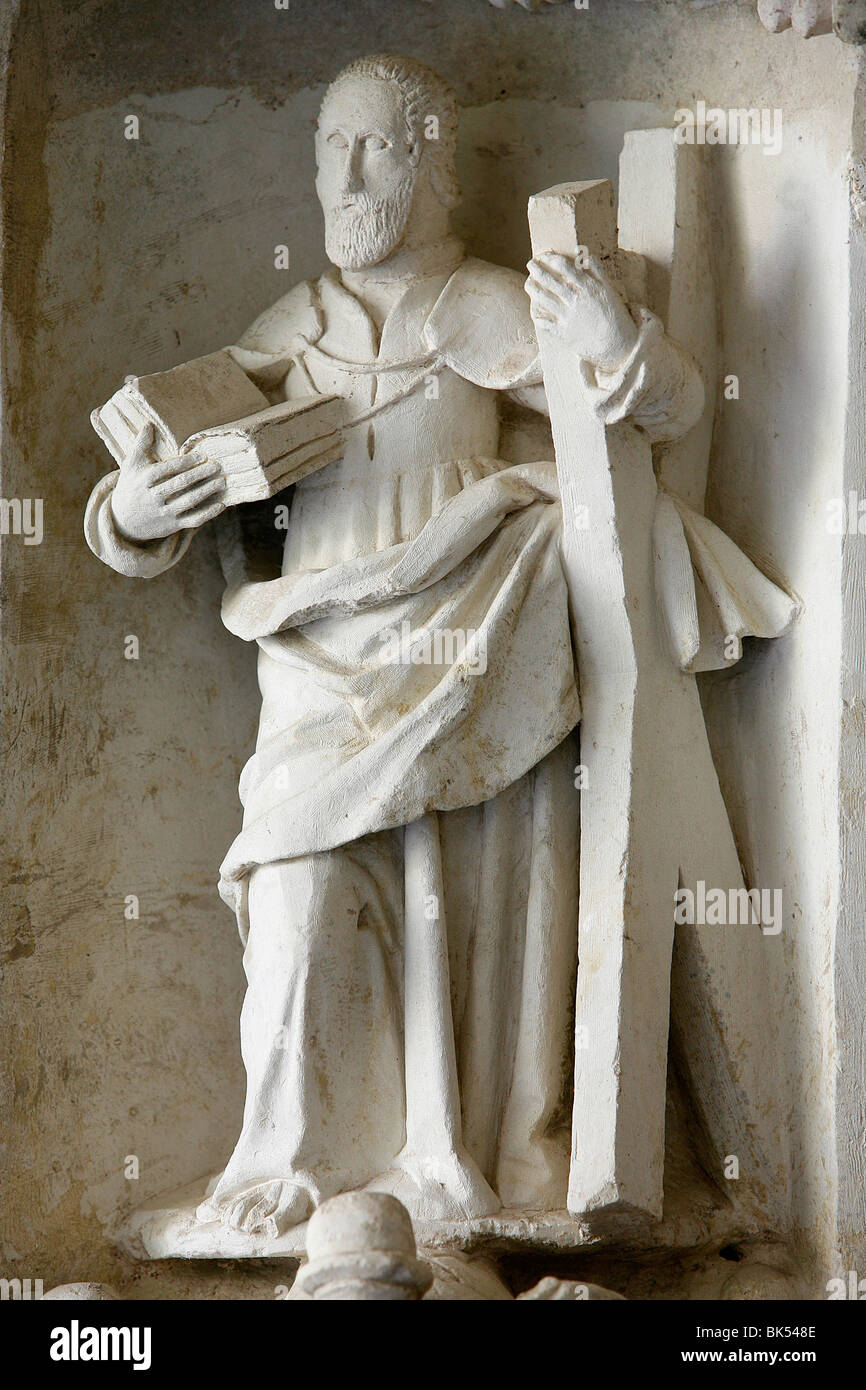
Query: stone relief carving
[(808, 18), (844, 18), (434, 745)]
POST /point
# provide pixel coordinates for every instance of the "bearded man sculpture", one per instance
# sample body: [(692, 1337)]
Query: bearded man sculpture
[(406, 877)]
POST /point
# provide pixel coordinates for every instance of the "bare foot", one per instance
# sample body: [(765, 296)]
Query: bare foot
[(447, 1187), (267, 1208)]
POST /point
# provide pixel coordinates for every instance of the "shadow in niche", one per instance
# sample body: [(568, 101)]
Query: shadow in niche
[(701, 1263)]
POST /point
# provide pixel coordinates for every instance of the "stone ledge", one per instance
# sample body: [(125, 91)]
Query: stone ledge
[(166, 1228)]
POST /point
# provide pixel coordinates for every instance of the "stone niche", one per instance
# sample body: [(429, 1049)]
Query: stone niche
[(121, 1071)]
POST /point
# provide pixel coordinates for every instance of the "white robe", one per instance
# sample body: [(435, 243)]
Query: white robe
[(421, 523)]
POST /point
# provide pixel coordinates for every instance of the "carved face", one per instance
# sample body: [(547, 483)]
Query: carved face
[(366, 171)]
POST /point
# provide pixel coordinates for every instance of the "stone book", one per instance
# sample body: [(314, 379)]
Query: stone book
[(209, 404)]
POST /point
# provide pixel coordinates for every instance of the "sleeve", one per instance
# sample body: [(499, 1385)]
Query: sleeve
[(137, 560), (482, 328), (266, 352), (658, 384)]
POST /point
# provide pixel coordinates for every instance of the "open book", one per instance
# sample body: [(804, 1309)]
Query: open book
[(210, 405)]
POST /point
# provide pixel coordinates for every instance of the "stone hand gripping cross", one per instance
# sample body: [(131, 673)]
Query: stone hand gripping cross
[(652, 814)]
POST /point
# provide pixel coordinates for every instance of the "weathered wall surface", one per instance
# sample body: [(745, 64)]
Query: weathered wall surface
[(120, 776)]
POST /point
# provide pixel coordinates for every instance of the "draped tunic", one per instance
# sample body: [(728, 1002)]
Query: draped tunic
[(427, 524), (421, 521)]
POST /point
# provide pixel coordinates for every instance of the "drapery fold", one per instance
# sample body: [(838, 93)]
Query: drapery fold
[(710, 594), (367, 724), (430, 676)]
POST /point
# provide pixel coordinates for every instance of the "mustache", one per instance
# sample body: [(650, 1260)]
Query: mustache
[(363, 204)]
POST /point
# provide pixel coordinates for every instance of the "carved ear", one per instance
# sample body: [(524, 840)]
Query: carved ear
[(444, 183)]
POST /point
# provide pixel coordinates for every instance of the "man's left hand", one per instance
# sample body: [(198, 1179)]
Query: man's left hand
[(581, 308)]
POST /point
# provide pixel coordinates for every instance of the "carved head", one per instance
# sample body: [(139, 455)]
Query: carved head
[(385, 150)]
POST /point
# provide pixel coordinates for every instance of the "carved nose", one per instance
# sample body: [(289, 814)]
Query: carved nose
[(352, 181)]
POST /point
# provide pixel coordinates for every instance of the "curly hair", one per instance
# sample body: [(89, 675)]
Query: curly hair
[(424, 94)]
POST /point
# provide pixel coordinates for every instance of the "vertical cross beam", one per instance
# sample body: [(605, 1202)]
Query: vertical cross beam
[(722, 986), (628, 870), (651, 808)]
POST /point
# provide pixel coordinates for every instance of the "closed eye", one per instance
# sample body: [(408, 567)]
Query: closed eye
[(337, 139), (376, 142)]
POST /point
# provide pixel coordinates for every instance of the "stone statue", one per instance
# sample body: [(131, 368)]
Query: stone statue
[(406, 878)]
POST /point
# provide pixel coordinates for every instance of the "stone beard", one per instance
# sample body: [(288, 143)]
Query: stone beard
[(405, 881), (364, 231)]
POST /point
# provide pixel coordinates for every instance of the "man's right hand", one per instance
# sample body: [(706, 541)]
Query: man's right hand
[(152, 500)]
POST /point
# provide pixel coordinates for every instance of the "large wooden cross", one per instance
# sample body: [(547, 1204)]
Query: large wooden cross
[(652, 814)]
